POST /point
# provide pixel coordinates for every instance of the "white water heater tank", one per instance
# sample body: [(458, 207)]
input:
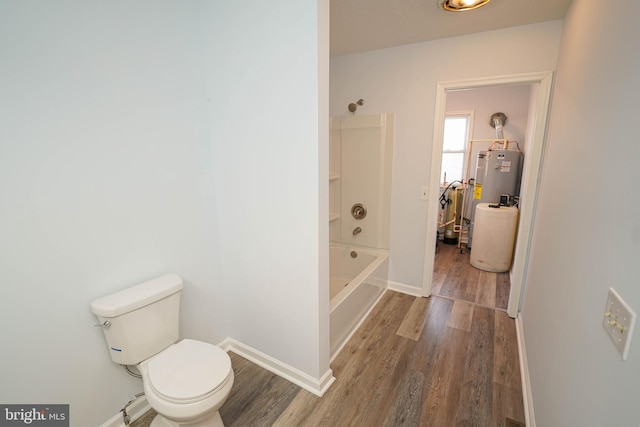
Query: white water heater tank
[(494, 235)]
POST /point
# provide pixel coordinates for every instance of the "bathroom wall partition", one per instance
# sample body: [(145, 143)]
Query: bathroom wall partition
[(360, 160)]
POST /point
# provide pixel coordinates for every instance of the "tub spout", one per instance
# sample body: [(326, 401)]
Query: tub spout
[(357, 230)]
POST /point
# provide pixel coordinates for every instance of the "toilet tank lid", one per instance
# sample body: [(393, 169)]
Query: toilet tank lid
[(137, 296)]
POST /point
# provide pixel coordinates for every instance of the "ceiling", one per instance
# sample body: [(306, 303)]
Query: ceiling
[(364, 25)]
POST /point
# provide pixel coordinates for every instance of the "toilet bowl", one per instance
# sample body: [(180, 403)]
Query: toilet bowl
[(187, 383)]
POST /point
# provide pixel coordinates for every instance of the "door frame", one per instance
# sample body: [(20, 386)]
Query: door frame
[(530, 180)]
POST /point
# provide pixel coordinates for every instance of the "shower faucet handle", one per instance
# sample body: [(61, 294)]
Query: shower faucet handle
[(358, 211)]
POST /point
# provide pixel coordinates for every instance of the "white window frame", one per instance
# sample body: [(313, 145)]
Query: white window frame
[(470, 115)]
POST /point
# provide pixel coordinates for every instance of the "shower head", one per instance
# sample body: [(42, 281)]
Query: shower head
[(354, 106)]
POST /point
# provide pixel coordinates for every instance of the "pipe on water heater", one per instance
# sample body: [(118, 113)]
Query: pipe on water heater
[(497, 121)]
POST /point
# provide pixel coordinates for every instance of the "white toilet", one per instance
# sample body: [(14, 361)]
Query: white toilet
[(185, 382)]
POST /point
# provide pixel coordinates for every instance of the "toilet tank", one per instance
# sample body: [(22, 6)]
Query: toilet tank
[(142, 320)]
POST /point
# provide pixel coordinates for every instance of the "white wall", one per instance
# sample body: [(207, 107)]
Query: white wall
[(269, 125), (586, 235), (130, 148), (105, 181), (403, 80), (511, 100)]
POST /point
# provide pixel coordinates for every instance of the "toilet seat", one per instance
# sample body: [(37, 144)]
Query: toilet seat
[(189, 371)]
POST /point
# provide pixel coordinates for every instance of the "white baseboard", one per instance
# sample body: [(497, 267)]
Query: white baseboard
[(135, 411), (405, 289), (313, 385), (524, 374)]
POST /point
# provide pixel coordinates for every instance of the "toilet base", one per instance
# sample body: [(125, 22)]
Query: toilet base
[(214, 421)]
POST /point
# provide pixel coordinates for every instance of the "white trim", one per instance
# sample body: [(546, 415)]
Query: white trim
[(524, 376), (307, 382), (434, 189), (529, 189), (315, 386), (529, 193), (404, 288), (135, 410)]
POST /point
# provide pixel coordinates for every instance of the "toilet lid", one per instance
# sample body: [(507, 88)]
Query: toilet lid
[(189, 369)]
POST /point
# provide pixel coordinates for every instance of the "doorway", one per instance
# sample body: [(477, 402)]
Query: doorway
[(540, 97)]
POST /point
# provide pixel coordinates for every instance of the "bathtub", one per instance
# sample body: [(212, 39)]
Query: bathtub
[(356, 284)]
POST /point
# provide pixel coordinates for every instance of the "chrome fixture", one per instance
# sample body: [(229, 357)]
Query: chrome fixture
[(462, 5), (358, 211), (357, 230), (354, 106)]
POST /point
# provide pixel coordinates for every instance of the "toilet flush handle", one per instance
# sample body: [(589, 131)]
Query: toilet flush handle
[(104, 324)]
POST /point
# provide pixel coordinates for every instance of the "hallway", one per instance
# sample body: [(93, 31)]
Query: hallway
[(448, 360), (421, 362)]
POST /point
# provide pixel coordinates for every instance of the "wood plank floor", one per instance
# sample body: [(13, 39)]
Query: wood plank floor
[(454, 277), (438, 361)]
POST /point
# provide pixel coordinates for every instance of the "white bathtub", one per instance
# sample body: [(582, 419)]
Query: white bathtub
[(356, 285)]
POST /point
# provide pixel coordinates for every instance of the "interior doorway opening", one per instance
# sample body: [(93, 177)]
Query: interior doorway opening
[(538, 86)]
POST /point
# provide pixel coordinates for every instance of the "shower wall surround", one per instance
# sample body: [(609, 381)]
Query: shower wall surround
[(361, 154)]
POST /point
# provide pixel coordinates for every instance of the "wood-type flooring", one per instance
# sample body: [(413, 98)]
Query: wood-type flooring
[(442, 361), (454, 277)]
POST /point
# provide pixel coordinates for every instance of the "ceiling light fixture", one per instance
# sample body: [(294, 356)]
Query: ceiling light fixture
[(462, 5)]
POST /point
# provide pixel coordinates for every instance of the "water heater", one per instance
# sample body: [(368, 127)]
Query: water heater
[(497, 173)]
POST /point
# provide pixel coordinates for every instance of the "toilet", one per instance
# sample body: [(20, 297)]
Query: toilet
[(185, 382)]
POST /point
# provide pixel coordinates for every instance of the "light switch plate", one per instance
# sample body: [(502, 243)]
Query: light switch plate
[(619, 320)]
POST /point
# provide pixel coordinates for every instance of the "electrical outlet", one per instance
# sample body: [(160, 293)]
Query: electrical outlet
[(618, 321)]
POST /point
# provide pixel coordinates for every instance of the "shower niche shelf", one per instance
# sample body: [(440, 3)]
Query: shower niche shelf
[(333, 217), (334, 177)]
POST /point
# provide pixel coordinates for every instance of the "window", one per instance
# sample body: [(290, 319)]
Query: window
[(456, 137)]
